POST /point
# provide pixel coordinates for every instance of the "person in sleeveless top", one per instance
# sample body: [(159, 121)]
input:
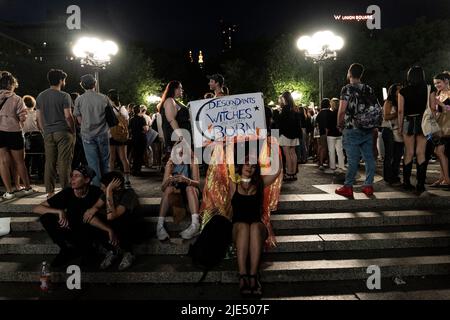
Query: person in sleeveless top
[(249, 230)]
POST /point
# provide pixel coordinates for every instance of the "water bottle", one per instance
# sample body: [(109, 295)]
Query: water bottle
[(45, 277)]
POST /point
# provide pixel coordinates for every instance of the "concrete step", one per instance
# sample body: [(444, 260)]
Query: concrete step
[(292, 203), (40, 243), (297, 221), (178, 270)]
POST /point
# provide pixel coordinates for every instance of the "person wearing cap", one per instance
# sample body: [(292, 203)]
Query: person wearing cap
[(55, 119), (216, 83), (90, 110), (62, 216)]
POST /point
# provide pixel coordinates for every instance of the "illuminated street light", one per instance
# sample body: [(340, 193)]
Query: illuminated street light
[(322, 46), (95, 53), (297, 96), (152, 99)]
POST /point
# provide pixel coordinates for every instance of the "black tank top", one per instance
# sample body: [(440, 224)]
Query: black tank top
[(246, 209), (183, 119)]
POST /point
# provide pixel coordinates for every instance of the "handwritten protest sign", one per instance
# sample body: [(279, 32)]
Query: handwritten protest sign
[(225, 117)]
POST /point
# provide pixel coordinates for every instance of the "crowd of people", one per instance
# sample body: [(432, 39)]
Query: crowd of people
[(67, 138)]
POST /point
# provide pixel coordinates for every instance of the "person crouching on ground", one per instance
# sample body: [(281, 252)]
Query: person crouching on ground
[(62, 217), (121, 215), (186, 178)]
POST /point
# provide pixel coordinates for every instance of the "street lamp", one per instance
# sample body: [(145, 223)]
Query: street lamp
[(320, 47), (95, 53)]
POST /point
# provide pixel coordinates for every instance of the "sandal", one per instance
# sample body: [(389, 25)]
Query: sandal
[(256, 290), (437, 184), (245, 285)]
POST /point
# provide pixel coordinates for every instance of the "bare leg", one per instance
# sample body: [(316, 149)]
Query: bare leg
[(19, 161), (165, 205), (421, 149), (443, 160), (192, 196), (112, 158), (5, 165), (123, 158), (287, 153), (241, 234), (258, 234)]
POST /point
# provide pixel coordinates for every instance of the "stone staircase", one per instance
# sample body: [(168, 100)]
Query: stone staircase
[(320, 240)]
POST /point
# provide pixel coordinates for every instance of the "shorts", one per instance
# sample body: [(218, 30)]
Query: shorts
[(286, 142), (439, 141), (412, 126), (12, 141), (116, 143)]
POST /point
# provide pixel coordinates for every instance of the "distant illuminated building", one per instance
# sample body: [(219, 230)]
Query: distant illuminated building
[(227, 35), (191, 57), (201, 61)]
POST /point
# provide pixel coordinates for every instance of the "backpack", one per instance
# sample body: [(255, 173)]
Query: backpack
[(120, 131), (212, 245), (366, 111)]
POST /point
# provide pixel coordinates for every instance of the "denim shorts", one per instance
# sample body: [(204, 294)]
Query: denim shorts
[(412, 126)]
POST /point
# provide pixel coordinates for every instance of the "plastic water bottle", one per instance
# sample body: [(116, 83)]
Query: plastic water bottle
[(45, 277)]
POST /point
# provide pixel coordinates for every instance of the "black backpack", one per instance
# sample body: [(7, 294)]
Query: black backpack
[(212, 245), (366, 111)]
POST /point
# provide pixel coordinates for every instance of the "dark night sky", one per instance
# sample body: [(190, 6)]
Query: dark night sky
[(194, 24)]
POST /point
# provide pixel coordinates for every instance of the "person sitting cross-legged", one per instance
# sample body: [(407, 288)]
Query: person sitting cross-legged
[(62, 217), (121, 215)]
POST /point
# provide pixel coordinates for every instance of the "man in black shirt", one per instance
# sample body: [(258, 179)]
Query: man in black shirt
[(62, 217), (322, 123)]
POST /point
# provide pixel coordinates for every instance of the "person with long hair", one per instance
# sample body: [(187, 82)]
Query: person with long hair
[(174, 114), (290, 134), (442, 105), (119, 147), (12, 148), (412, 103), (392, 137)]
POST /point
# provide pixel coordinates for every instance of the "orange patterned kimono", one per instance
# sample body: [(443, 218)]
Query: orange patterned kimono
[(216, 195)]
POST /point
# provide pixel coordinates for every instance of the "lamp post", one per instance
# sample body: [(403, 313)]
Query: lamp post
[(95, 53), (320, 47)]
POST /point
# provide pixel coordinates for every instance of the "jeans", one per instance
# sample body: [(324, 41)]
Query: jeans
[(97, 156), (335, 146), (392, 156), (357, 143)]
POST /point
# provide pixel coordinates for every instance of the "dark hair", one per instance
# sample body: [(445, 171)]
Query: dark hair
[(111, 176), (356, 70), (169, 93), (226, 91), (290, 104), (136, 110), (392, 94), (114, 96), (444, 76), (325, 104), (29, 101), (54, 76), (8, 81), (416, 76)]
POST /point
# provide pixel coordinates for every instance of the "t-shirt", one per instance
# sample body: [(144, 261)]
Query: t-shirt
[(332, 119), (415, 99), (322, 121), (137, 125), (52, 103), (127, 199), (30, 125), (75, 207), (91, 107)]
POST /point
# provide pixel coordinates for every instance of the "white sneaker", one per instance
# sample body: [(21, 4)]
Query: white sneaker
[(110, 258), (340, 171), (28, 192), (329, 171), (127, 261), (162, 234), (191, 232), (8, 196)]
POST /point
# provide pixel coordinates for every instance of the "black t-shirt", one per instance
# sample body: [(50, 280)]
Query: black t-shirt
[(75, 207), (415, 99), (333, 131), (290, 124), (127, 199), (322, 121), (137, 125)]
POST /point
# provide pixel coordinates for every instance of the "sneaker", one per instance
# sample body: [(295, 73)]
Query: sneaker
[(329, 171), (368, 191), (340, 171), (127, 261), (29, 191), (110, 258), (9, 196), (191, 232), (345, 192), (162, 234)]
